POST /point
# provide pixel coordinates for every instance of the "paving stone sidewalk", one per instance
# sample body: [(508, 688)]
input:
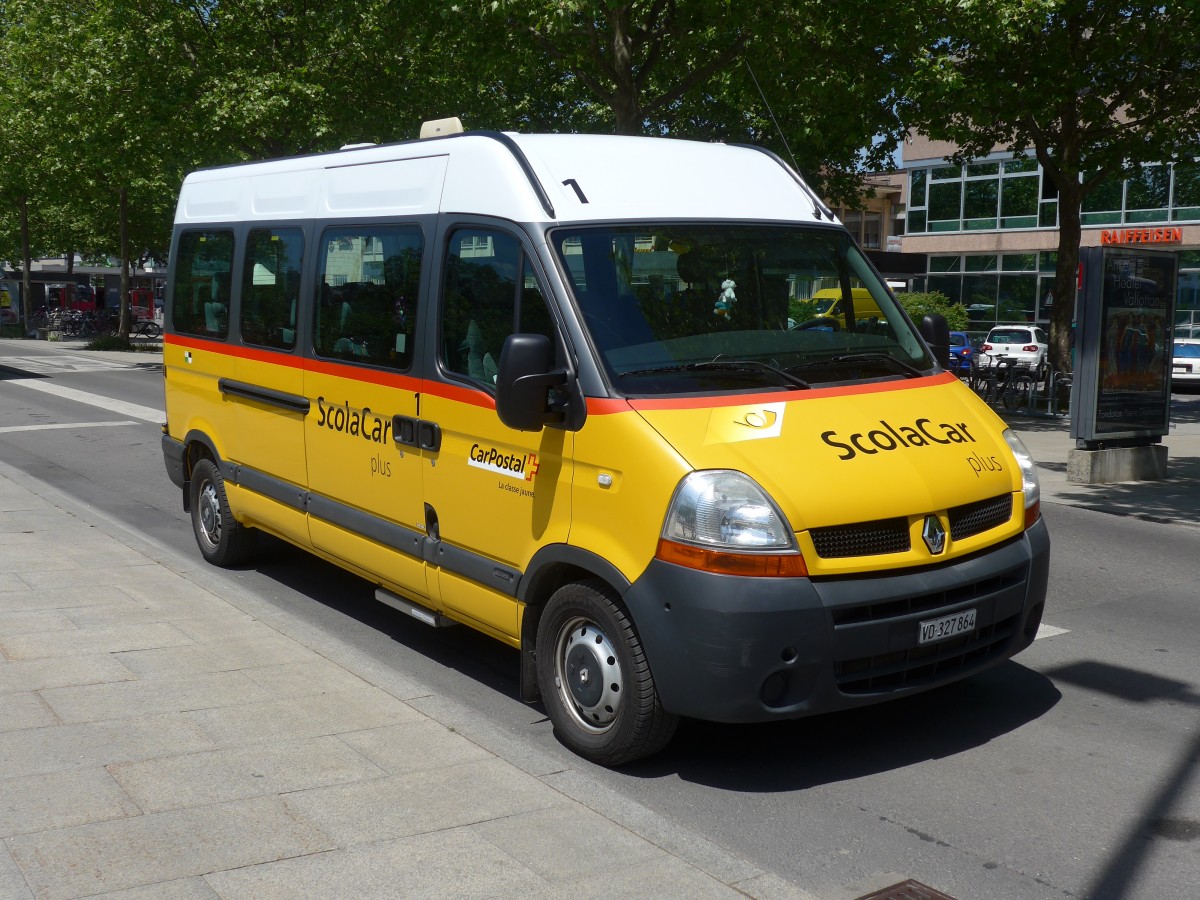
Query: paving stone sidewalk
[(159, 739)]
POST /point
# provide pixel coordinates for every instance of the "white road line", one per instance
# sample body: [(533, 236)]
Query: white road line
[(9, 429), (38, 365), (120, 407), (1045, 631)]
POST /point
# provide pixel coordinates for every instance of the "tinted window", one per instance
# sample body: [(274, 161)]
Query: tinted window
[(367, 284), (271, 287), (490, 292), (1009, 336), (697, 307), (200, 286)]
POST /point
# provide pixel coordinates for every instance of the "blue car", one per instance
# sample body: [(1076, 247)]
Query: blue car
[(961, 352)]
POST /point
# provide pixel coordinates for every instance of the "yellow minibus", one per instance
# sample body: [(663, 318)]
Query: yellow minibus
[(545, 386)]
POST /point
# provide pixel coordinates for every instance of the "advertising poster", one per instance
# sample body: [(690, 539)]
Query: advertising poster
[(10, 302), (1125, 324)]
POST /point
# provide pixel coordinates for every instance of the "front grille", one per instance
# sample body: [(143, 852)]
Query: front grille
[(862, 539), (892, 535), (925, 663), (976, 518), (876, 641), (965, 594)]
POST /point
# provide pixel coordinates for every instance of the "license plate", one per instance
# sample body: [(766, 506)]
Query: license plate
[(947, 627)]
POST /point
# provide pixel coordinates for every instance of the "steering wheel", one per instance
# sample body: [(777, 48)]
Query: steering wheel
[(822, 324)]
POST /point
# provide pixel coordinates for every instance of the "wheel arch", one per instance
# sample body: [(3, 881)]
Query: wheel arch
[(551, 568), (197, 445)]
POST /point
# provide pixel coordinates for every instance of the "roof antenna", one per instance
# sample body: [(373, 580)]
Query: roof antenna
[(770, 112)]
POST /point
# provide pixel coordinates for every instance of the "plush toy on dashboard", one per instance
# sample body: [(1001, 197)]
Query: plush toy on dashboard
[(727, 298)]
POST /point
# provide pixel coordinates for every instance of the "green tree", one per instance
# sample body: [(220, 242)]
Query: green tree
[(755, 71), (919, 305), (278, 79), (101, 88), (1095, 88)]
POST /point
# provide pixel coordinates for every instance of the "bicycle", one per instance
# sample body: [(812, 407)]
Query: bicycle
[(1006, 382), (145, 328), (1020, 389)]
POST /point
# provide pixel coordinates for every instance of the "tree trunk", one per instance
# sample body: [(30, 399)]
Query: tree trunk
[(26, 260), (1066, 276), (626, 103), (125, 321)]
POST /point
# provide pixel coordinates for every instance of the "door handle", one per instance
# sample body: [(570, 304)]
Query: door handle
[(408, 431), (429, 436)]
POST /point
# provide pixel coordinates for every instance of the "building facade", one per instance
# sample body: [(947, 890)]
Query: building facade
[(989, 229)]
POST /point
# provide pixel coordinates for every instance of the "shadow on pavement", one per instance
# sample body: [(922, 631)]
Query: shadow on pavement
[(803, 753), (1176, 499), (1154, 823)]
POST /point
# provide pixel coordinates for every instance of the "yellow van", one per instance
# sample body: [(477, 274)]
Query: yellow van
[(836, 304), (541, 386)]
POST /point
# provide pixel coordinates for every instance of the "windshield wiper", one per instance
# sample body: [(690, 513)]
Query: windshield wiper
[(733, 365), (851, 358)]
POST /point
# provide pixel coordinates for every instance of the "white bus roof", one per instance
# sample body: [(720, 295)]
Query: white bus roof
[(524, 178)]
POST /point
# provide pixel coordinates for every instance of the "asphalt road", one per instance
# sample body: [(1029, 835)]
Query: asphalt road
[(1070, 771)]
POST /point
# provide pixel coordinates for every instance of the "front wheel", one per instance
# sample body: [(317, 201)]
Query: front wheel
[(223, 541), (595, 680)]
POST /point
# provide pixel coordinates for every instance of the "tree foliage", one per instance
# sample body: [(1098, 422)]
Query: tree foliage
[(918, 305), (752, 72), (1096, 88)]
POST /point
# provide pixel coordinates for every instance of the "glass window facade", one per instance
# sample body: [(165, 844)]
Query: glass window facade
[(998, 195), (996, 289)]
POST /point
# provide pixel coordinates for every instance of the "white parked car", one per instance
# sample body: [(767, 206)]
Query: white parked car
[(1024, 345), (1185, 362)]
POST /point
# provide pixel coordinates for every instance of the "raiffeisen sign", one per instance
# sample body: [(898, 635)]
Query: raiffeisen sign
[(1141, 236)]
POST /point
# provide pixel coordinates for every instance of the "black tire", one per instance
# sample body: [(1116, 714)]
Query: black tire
[(223, 541), (612, 719), (1019, 394)]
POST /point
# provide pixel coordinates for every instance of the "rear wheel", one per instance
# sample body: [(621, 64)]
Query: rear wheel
[(223, 541), (595, 680)]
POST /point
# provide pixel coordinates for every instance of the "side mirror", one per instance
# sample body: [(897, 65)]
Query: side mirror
[(937, 335), (525, 381)]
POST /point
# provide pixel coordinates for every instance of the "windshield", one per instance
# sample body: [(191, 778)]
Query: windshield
[(1010, 336), (691, 308), (1186, 351)]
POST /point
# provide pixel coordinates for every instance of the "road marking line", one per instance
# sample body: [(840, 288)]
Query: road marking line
[(9, 429), (120, 407), (38, 365), (1045, 631)]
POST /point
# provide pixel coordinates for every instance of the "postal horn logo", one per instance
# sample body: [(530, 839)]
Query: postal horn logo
[(757, 418)]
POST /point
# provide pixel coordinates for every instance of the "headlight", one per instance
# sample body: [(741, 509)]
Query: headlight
[(722, 521), (1029, 476), (726, 509)]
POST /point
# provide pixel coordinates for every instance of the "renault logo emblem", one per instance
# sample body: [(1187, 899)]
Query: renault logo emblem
[(934, 535)]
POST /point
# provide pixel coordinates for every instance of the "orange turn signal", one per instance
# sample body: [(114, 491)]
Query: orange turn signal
[(762, 565), (1033, 513)]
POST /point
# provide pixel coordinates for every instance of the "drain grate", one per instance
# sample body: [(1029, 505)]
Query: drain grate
[(907, 890)]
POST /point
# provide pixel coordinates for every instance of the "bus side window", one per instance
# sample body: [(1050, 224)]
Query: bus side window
[(490, 292), (368, 281), (271, 287), (203, 263)]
